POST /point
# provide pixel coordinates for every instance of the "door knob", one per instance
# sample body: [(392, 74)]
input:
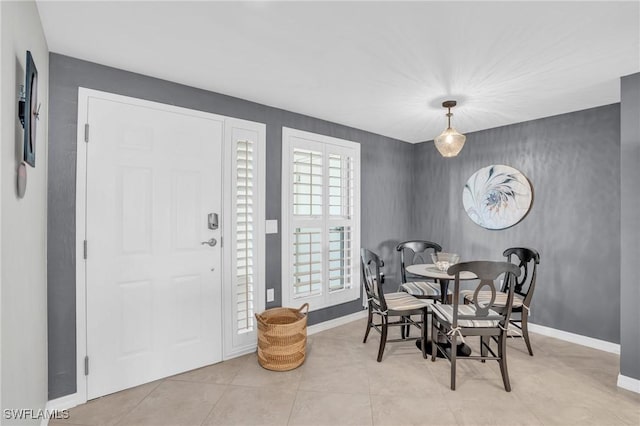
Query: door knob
[(212, 242)]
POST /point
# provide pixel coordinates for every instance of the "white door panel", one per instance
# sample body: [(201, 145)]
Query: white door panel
[(153, 290)]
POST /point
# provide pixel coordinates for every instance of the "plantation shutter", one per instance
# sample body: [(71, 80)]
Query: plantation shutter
[(245, 235), (341, 204), (320, 204)]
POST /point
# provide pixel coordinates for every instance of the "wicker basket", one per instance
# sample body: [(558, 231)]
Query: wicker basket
[(282, 338)]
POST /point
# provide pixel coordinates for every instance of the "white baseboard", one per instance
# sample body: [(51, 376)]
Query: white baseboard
[(63, 403), (578, 339), (629, 383), (317, 328), (240, 352)]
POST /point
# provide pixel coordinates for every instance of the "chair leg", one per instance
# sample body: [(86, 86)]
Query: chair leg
[(403, 327), (502, 353), (484, 340), (383, 337), (423, 343), (434, 338), (525, 330), (369, 321), (454, 350)]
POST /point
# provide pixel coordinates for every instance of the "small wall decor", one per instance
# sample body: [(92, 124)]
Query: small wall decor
[(29, 110), (22, 179), (497, 197)]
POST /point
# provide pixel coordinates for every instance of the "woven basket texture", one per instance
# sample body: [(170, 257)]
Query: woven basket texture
[(282, 338)]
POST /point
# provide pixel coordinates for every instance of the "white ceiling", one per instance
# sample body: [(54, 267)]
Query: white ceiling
[(384, 67)]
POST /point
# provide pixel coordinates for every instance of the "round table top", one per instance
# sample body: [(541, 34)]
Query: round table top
[(430, 270)]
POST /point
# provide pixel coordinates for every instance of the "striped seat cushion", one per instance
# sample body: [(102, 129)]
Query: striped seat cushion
[(484, 297), (423, 289), (445, 314), (402, 301)]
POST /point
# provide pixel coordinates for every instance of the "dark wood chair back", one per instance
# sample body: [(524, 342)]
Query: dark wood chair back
[(412, 252), (371, 279), (527, 260), (487, 272)]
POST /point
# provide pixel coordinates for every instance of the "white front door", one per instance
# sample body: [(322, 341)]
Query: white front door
[(153, 290)]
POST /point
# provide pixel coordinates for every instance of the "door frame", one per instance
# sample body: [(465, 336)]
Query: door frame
[(228, 352)]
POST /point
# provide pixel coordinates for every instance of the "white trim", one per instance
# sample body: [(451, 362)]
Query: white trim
[(629, 383), (81, 282), (336, 322), (65, 402), (327, 145), (84, 94), (234, 346), (235, 353), (578, 339)]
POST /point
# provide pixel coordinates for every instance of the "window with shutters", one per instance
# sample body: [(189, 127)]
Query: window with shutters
[(320, 219), (243, 289)]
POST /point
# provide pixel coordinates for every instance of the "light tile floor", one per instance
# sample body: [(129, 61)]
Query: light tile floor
[(342, 384)]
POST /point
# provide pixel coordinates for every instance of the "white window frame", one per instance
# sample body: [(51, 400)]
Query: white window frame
[(235, 343), (293, 138)]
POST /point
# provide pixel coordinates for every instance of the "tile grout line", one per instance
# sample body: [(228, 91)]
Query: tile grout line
[(214, 405), (297, 390), (226, 387), (292, 407), (119, 422)]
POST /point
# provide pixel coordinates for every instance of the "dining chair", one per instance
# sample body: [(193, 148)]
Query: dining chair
[(527, 260), (476, 319), (411, 253), (399, 304)]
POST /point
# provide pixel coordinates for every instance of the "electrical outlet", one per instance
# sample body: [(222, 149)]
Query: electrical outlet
[(270, 295)]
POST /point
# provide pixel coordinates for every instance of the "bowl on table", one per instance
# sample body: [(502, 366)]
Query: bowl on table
[(444, 260)]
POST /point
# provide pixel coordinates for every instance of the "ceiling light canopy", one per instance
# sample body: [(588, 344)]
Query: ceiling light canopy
[(450, 142)]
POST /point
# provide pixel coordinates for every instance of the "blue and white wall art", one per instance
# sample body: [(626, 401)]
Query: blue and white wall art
[(497, 197)]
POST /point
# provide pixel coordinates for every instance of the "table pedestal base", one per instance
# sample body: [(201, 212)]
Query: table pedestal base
[(461, 348)]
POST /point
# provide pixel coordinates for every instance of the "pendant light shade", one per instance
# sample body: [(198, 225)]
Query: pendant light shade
[(450, 142)]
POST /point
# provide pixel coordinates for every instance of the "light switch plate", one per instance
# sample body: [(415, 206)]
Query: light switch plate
[(271, 227), (270, 295)]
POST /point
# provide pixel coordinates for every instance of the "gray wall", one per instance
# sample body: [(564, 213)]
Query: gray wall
[(573, 163), (408, 191), (630, 218), (386, 188)]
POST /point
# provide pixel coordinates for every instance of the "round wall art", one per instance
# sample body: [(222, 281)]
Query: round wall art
[(497, 197)]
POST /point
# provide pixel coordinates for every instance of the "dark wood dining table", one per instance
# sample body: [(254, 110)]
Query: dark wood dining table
[(428, 270)]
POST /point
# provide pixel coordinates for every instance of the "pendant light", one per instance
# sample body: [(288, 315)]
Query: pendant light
[(450, 142)]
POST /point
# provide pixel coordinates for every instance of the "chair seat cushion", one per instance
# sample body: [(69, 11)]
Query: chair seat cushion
[(402, 301), (445, 314), (484, 297), (423, 289)]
